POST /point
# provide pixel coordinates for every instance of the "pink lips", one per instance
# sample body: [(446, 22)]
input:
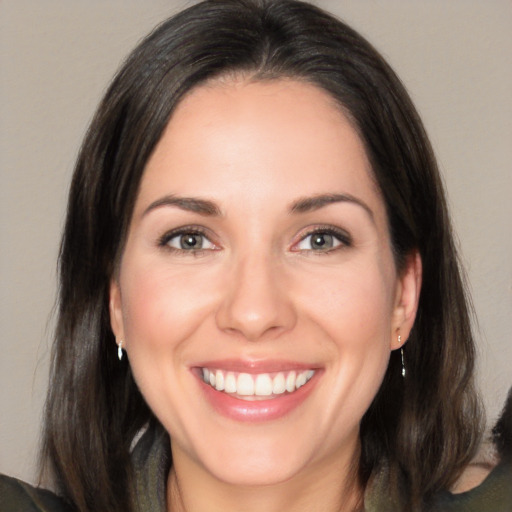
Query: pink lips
[(261, 409)]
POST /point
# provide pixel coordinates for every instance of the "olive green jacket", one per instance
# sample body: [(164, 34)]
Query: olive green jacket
[(152, 462)]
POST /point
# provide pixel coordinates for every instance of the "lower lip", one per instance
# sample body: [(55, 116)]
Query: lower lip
[(256, 410)]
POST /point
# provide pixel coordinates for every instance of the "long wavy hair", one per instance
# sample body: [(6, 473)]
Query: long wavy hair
[(423, 429)]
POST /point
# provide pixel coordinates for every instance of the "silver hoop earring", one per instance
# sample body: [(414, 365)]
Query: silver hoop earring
[(120, 350)]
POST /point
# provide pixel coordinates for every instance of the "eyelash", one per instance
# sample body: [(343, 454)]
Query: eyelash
[(164, 240), (341, 236)]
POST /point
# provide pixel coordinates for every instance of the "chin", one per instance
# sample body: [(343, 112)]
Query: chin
[(261, 471), (260, 455)]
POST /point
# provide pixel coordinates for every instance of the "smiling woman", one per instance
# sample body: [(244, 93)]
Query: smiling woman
[(260, 302), (283, 278)]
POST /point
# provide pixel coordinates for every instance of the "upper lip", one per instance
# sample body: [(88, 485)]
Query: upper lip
[(255, 366)]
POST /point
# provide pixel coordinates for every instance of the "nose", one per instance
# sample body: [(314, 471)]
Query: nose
[(256, 304)]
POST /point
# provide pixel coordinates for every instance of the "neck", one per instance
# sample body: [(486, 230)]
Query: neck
[(332, 487)]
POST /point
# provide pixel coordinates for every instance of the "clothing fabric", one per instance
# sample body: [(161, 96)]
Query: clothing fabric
[(152, 461), (494, 494), (17, 496)]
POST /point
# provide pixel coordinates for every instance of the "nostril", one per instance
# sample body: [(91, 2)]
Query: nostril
[(256, 319)]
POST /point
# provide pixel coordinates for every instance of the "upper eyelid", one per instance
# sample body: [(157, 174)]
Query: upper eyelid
[(189, 228), (332, 230)]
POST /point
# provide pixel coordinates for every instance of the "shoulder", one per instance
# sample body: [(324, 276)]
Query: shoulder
[(480, 490), (478, 470), (473, 476), (18, 496)]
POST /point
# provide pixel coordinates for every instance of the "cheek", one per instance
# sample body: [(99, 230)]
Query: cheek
[(162, 309), (162, 306), (354, 310), (359, 322), (354, 302)]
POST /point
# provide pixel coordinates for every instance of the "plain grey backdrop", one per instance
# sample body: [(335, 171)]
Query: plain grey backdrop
[(56, 58)]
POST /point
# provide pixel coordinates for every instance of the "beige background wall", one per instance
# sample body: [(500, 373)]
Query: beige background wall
[(56, 57)]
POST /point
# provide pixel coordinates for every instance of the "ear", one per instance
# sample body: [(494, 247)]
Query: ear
[(116, 310), (406, 300)]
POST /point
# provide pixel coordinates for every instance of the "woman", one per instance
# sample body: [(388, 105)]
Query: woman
[(260, 300)]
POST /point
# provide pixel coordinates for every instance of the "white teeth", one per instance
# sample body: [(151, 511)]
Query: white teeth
[(219, 380), (230, 383), (245, 385), (279, 384), (290, 382), (263, 384), (301, 380)]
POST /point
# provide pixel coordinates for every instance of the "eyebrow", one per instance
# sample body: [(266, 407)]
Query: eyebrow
[(309, 204), (189, 204), (210, 209)]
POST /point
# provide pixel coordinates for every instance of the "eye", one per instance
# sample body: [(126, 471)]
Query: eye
[(323, 240), (189, 241)]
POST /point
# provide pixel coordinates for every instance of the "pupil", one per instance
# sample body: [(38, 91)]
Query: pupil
[(190, 241), (322, 241)]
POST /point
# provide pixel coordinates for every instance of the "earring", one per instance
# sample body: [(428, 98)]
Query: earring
[(402, 356), (120, 350)]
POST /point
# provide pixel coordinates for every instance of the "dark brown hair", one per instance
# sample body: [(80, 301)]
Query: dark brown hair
[(424, 428)]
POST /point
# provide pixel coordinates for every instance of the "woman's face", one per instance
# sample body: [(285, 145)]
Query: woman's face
[(258, 258)]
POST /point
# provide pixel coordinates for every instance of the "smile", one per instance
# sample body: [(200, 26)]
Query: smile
[(247, 386)]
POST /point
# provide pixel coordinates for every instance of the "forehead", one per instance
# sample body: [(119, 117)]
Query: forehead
[(254, 139)]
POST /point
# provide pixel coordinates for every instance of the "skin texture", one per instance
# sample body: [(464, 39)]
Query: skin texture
[(259, 291)]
